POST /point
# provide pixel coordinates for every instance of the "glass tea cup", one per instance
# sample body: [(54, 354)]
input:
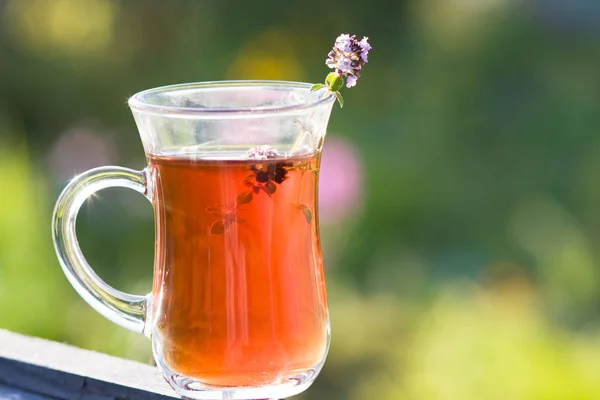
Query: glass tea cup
[(238, 307)]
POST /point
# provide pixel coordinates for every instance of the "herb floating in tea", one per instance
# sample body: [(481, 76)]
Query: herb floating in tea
[(264, 174), (347, 59), (262, 153), (269, 171)]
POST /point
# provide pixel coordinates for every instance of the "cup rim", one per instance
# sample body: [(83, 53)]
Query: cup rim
[(137, 103)]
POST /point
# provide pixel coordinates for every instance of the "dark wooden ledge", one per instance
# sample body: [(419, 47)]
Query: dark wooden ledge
[(38, 369)]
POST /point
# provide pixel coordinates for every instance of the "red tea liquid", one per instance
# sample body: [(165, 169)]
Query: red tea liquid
[(239, 291)]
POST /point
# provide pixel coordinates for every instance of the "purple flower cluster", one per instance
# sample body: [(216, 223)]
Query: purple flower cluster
[(262, 153), (348, 56)]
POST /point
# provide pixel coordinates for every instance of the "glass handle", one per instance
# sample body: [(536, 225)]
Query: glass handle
[(124, 309)]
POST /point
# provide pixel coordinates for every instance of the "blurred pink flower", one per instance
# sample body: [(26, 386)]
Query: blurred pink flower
[(79, 149), (340, 181)]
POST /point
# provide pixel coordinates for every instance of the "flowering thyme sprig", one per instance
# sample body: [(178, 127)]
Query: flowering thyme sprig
[(346, 58)]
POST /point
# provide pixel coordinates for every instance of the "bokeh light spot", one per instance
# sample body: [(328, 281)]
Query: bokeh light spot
[(269, 55), (62, 27)]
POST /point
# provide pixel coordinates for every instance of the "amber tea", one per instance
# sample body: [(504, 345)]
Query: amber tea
[(239, 288)]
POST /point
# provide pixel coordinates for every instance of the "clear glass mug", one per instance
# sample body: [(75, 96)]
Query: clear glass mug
[(238, 308)]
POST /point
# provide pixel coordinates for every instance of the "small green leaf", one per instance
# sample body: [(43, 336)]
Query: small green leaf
[(330, 77), (256, 189), (339, 98), (218, 227), (316, 86), (307, 214), (244, 198), (336, 83)]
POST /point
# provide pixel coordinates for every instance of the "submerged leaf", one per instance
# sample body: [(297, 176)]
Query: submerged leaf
[(244, 198), (307, 214), (269, 188), (280, 174), (216, 211), (218, 227)]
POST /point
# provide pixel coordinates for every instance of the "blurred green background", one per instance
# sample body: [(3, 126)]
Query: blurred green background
[(460, 188)]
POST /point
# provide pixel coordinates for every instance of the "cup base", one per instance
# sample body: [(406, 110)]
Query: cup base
[(283, 388)]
